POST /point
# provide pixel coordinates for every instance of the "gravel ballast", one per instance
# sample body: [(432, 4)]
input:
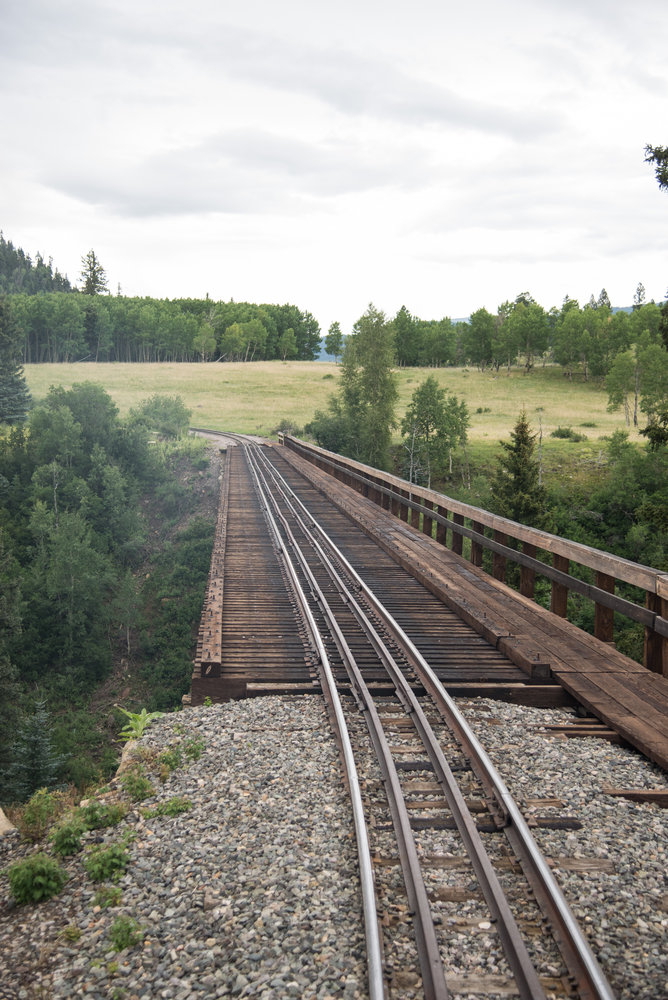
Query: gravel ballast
[(253, 891)]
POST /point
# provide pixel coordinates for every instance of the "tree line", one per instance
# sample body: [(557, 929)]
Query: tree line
[(74, 483), (55, 322)]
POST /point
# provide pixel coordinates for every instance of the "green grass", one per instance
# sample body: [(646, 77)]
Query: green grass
[(254, 398)]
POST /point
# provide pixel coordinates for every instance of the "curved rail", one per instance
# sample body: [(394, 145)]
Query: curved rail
[(372, 931), (581, 962)]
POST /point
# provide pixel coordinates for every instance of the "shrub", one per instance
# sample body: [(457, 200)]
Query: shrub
[(172, 758), (37, 878), (95, 814), (106, 862), (125, 933), (136, 784), (66, 838), (568, 434), (41, 810)]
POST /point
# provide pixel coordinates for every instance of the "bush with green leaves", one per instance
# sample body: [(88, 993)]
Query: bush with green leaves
[(95, 814), (172, 758), (136, 784), (568, 434), (106, 862), (125, 932), (35, 879), (66, 837)]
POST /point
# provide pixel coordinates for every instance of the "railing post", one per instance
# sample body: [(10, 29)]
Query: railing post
[(395, 505), (656, 645), (457, 539), (476, 547), (559, 593), (499, 561), (527, 575), (427, 522), (441, 530), (404, 509), (386, 500), (604, 617)]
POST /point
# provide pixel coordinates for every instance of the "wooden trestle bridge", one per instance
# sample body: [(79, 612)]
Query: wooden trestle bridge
[(426, 553), (329, 577)]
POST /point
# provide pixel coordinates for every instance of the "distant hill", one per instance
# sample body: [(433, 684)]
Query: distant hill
[(19, 273)]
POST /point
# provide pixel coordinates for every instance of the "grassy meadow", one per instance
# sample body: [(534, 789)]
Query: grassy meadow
[(256, 397)]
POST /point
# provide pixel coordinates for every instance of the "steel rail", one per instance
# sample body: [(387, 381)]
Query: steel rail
[(433, 974), (523, 970), (582, 964), (367, 881)]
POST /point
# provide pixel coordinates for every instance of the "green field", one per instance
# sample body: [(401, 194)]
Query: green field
[(255, 398)]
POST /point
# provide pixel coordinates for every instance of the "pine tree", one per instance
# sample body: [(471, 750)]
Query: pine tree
[(14, 394), (35, 761), (515, 486), (93, 275)]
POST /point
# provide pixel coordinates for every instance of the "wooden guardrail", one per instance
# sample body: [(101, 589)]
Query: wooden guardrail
[(450, 521)]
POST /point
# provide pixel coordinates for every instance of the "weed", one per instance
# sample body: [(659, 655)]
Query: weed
[(137, 723), (172, 807), (35, 879), (108, 895), (66, 838), (95, 814), (106, 862), (71, 933), (136, 784), (207, 702), (172, 758), (125, 933), (193, 749), (39, 812)]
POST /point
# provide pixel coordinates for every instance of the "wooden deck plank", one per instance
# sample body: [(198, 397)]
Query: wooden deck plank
[(619, 691)]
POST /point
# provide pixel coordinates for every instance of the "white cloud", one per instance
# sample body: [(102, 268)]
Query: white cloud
[(442, 156)]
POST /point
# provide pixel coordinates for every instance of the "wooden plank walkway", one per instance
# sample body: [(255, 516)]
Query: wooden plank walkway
[(620, 692)]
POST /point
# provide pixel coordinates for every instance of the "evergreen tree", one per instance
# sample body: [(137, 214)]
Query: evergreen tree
[(658, 155), (35, 762), (93, 275), (516, 487), (14, 394), (10, 627)]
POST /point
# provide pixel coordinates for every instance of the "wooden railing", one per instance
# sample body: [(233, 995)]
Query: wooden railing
[(450, 521)]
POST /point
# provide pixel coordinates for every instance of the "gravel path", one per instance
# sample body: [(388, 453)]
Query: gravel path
[(252, 892)]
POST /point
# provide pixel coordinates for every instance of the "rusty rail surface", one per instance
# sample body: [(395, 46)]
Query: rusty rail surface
[(450, 522)]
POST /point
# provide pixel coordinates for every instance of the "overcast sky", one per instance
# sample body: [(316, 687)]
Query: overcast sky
[(443, 156)]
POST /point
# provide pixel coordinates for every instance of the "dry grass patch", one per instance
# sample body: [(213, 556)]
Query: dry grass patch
[(254, 398)]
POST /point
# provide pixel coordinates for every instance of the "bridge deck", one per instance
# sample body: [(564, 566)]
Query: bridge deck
[(620, 692)]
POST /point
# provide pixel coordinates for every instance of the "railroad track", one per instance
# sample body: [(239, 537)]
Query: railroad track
[(444, 850)]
